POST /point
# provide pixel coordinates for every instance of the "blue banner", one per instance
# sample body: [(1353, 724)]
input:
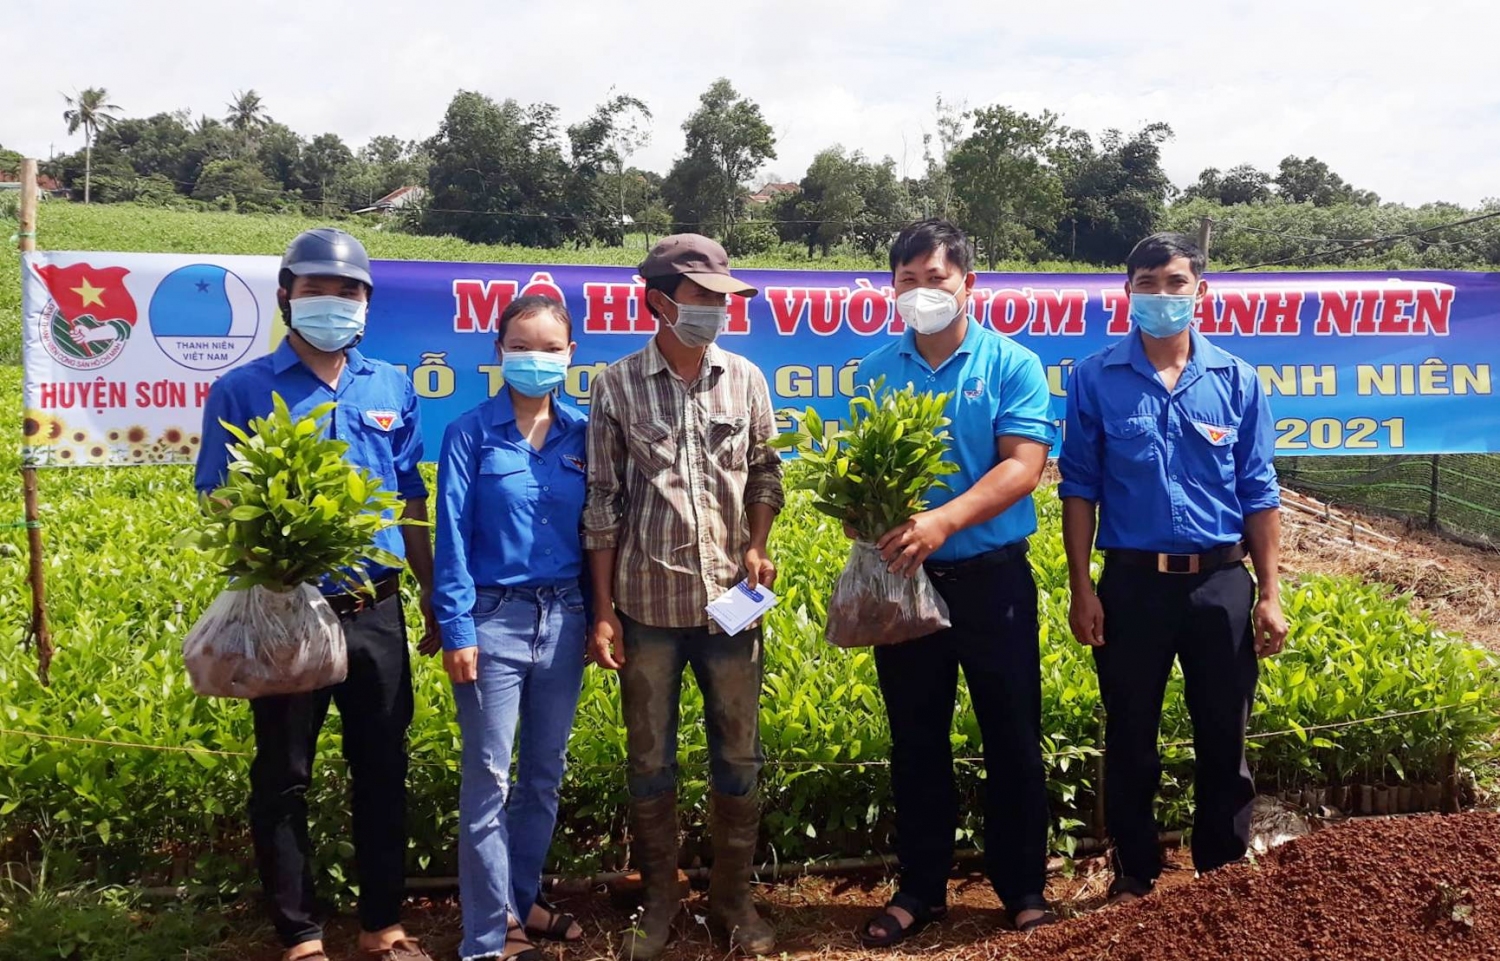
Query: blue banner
[(1353, 363)]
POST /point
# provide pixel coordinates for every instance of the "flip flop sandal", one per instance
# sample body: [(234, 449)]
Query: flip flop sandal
[(921, 914), (405, 949), (558, 923)]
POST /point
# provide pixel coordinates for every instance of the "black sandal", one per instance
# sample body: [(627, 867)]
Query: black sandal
[(921, 915), (1045, 918), (1126, 889), (517, 935), (558, 923)]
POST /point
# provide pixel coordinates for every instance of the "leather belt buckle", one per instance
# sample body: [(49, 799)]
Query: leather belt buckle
[(1177, 563)]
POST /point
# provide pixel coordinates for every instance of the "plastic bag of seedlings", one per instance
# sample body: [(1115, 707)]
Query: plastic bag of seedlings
[(259, 642), (873, 476), (292, 515), (871, 606)]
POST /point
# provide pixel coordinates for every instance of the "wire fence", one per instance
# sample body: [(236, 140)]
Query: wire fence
[(1455, 495), (770, 762)]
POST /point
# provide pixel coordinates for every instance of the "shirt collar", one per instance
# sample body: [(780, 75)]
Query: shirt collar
[(1209, 355), (286, 357), (713, 358), (966, 346), (503, 411), (1131, 352)]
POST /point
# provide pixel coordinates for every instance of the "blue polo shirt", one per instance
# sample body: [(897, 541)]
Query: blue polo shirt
[(509, 515), (1173, 472), (997, 388), (376, 414)]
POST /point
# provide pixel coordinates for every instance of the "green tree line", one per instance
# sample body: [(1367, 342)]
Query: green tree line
[(1028, 187)]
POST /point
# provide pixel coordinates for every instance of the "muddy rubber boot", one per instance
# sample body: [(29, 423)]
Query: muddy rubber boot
[(736, 822), (653, 824)]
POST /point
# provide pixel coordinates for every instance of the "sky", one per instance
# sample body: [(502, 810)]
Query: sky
[(1395, 99)]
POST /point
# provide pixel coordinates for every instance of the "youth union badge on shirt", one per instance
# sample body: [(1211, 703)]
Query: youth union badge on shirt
[(1216, 435), (383, 419)]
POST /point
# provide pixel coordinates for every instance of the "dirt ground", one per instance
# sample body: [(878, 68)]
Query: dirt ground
[(1425, 888), (1458, 586)]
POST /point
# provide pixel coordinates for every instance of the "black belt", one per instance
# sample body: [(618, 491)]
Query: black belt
[(958, 570), (1204, 563), (349, 604)]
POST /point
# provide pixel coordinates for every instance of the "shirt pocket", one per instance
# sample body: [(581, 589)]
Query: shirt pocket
[(369, 440), (569, 485), (505, 481), (1209, 440), (653, 446), (1130, 446), (729, 440)]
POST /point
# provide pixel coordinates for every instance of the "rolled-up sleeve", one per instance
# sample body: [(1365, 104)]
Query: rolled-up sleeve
[(1255, 449), (406, 448), (604, 504), (763, 484), (453, 582), (1079, 462), (1025, 403)]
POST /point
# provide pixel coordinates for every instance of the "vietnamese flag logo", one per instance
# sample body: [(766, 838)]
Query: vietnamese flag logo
[(92, 314)]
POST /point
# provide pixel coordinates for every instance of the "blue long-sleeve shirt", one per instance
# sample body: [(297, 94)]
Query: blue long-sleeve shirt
[(508, 515), (1173, 472), (376, 414)]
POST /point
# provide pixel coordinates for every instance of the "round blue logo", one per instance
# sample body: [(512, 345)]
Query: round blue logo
[(203, 316)]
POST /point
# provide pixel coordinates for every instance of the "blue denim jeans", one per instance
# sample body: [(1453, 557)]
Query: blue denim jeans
[(531, 645), (728, 671)]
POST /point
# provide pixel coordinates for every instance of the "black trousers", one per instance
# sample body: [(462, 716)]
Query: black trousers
[(375, 706), (994, 640), (1203, 621)]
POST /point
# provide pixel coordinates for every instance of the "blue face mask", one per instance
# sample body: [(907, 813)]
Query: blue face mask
[(534, 372), (1161, 315), (329, 323)]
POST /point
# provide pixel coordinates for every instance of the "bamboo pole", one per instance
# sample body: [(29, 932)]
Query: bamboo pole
[(37, 631)]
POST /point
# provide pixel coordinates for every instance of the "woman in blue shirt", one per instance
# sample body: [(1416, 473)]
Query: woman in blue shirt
[(508, 600)]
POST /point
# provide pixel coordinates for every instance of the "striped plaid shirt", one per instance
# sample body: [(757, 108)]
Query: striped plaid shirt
[(672, 467)]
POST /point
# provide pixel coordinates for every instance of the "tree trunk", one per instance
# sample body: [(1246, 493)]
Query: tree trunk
[(88, 164)]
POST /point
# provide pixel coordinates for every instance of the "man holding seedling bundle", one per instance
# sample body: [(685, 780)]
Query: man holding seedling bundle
[(324, 291), (1169, 446), (972, 544), (682, 491)]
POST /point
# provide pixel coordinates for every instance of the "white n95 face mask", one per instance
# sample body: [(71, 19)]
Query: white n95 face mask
[(927, 310)]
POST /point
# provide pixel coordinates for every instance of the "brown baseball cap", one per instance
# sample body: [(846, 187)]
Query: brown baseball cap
[(696, 257)]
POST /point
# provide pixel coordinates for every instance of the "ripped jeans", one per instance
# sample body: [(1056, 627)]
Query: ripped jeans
[(531, 645)]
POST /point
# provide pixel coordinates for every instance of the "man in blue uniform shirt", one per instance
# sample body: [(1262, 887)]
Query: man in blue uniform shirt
[(324, 291), (1169, 439), (972, 543)]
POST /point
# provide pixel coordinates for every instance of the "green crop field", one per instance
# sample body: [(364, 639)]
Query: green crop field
[(83, 770)]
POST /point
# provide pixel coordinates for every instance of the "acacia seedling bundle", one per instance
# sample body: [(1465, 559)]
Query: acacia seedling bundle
[(874, 475)]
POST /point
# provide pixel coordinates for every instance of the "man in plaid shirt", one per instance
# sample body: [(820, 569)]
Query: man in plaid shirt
[(682, 491)]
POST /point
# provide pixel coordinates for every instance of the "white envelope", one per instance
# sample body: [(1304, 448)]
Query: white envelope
[(740, 607)]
